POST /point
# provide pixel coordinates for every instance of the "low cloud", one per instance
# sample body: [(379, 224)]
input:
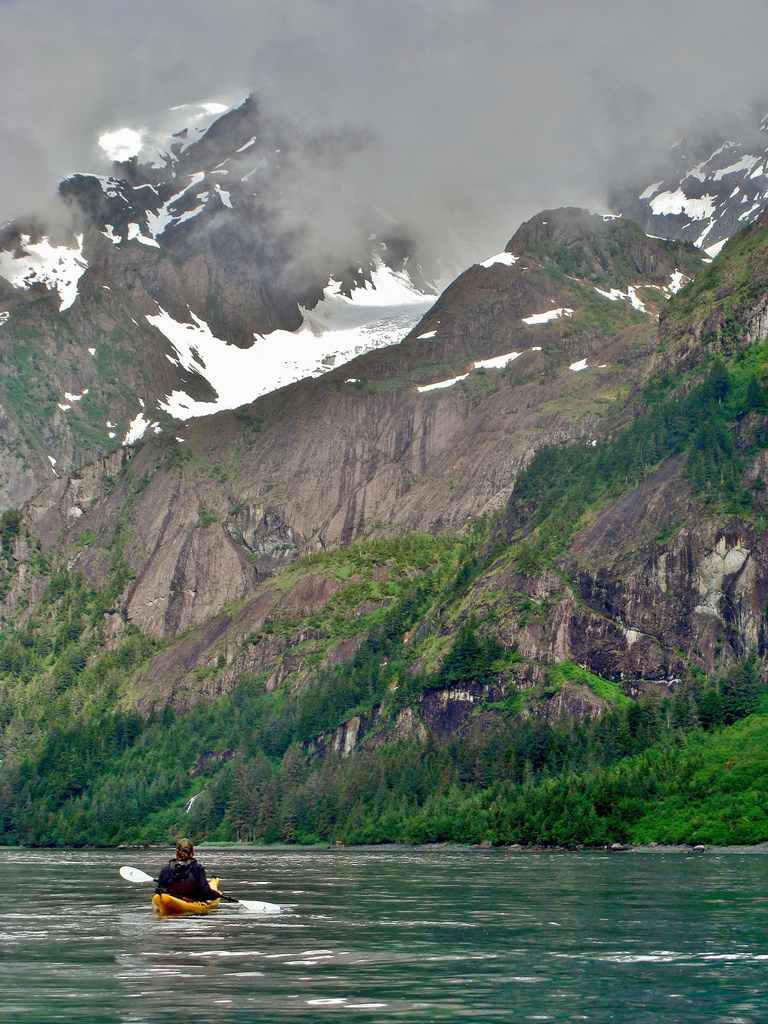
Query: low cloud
[(476, 113)]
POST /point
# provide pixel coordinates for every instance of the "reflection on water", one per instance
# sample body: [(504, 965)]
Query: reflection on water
[(386, 935)]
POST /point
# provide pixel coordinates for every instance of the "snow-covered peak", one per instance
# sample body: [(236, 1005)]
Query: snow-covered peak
[(160, 138), (708, 197)]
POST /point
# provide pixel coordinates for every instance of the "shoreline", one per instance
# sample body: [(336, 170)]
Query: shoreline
[(513, 848)]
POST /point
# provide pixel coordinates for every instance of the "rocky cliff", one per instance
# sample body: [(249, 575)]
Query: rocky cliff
[(425, 435)]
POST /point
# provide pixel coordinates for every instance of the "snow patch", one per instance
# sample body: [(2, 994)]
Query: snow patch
[(92, 351), (336, 330), (58, 267), (75, 398), (497, 362), (676, 282), (136, 428), (745, 164), (748, 213), (551, 314), (614, 294), (703, 235), (5, 316), (442, 384), (160, 220), (224, 196), (648, 192), (580, 365), (494, 363), (504, 258), (429, 334), (714, 250), (635, 299), (246, 145), (677, 202), (699, 171), (134, 234)]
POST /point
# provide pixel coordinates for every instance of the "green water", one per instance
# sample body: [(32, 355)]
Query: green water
[(386, 935)]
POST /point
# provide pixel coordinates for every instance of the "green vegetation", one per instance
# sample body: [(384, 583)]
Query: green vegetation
[(569, 672), (609, 253), (723, 294), (562, 485), (78, 770), (10, 523), (25, 387)]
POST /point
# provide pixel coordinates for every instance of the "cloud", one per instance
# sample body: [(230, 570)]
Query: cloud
[(477, 112)]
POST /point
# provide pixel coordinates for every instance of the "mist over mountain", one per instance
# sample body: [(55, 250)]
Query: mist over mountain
[(471, 112)]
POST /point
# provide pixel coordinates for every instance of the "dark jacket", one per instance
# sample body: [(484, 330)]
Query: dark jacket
[(186, 879)]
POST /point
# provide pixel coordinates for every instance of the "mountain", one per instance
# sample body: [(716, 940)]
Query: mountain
[(706, 190), (177, 289), (502, 581), (538, 517), (424, 435)]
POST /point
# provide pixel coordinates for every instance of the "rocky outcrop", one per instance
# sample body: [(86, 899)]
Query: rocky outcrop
[(653, 584), (603, 248)]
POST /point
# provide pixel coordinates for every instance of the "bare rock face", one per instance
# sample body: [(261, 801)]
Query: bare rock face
[(646, 595), (369, 449), (189, 578), (236, 643), (265, 535)]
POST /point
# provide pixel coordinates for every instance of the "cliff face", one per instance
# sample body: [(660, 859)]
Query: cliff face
[(425, 435)]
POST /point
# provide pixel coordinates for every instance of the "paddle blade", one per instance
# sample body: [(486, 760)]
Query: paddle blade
[(134, 875), (257, 907)]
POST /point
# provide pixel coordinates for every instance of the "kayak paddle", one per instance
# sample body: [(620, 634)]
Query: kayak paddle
[(255, 906)]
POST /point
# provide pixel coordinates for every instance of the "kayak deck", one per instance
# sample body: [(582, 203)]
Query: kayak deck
[(171, 906)]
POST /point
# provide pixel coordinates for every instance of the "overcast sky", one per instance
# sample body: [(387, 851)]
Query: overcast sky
[(479, 112)]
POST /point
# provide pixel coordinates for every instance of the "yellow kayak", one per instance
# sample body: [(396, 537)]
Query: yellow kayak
[(171, 906)]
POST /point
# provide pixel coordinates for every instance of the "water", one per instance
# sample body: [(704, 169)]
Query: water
[(387, 935)]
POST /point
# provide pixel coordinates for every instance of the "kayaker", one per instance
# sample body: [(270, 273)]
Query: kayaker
[(184, 876)]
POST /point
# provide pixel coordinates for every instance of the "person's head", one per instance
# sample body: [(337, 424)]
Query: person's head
[(184, 850)]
